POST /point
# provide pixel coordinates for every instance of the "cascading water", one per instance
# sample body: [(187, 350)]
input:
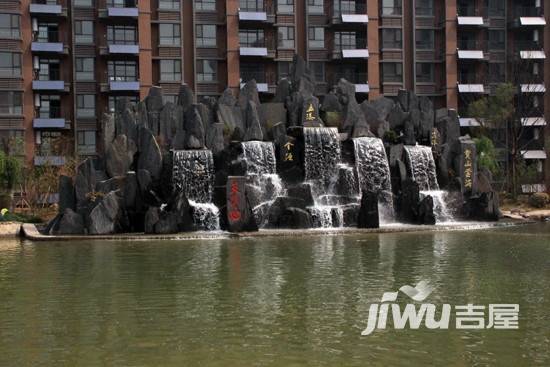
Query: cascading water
[(332, 182), (193, 173), (373, 171), (422, 167), (261, 171)]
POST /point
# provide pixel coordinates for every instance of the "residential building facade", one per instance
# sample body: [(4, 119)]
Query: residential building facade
[(64, 63)]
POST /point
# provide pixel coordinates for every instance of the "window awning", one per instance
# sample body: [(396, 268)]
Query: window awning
[(533, 121), (362, 88), (348, 54), (355, 18), (533, 154), (253, 51), (258, 16), (471, 88), (470, 20), (532, 21), (468, 122), (535, 54), (533, 88), (463, 54)]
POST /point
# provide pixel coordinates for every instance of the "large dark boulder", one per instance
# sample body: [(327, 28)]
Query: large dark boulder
[(426, 211), (280, 205), (483, 207), (150, 156), (295, 218), (249, 92), (71, 223), (152, 217), (253, 127), (368, 213), (119, 156), (185, 97), (214, 138), (103, 219), (240, 216), (302, 191), (194, 129), (66, 193), (85, 181)]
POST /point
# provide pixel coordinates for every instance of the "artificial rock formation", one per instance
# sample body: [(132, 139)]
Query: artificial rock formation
[(286, 163)]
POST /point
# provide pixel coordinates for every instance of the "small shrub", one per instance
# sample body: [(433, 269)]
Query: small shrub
[(539, 200)]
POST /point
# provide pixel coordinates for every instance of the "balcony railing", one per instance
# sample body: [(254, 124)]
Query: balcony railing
[(51, 47), (36, 8), (349, 7)]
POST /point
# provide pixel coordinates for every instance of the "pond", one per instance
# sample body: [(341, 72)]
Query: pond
[(274, 301)]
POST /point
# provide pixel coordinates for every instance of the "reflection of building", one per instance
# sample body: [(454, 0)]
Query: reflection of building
[(64, 62)]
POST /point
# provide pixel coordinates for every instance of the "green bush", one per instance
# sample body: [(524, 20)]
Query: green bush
[(486, 155), (539, 200)]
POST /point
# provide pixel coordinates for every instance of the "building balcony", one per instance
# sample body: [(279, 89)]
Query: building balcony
[(527, 16), (119, 12), (346, 13), (50, 160), (533, 121), (472, 50), (259, 12), (119, 50), (50, 123), (532, 88), (49, 10), (50, 85), (471, 88), (469, 122), (256, 52), (121, 86), (49, 48)]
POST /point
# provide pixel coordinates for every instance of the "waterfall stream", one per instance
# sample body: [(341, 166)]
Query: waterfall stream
[(193, 173)]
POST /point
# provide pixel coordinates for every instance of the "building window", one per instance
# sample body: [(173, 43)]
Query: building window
[(121, 35), (207, 70), (122, 71), (170, 98), (169, 4), (85, 105), (86, 142), (11, 103), (424, 72), (206, 35), (84, 68), (10, 64), (391, 38), (391, 7), (170, 34), (424, 7), (425, 39), (316, 37), (285, 6), (392, 72), (47, 32), (286, 37), (251, 71), (170, 70), (205, 5), (315, 7), (251, 5), (497, 72), (283, 69), (348, 41), (496, 40), (318, 69), (251, 38), (114, 100), (84, 31), (83, 3), (49, 69), (10, 26), (496, 8), (50, 107), (121, 3)]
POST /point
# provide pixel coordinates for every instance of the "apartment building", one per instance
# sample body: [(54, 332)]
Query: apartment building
[(63, 63)]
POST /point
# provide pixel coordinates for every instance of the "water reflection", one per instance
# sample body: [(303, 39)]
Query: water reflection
[(269, 301)]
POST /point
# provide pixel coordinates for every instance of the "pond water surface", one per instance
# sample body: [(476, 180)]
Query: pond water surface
[(269, 301)]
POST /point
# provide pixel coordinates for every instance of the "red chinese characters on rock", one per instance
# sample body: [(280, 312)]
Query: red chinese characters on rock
[(234, 212)]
